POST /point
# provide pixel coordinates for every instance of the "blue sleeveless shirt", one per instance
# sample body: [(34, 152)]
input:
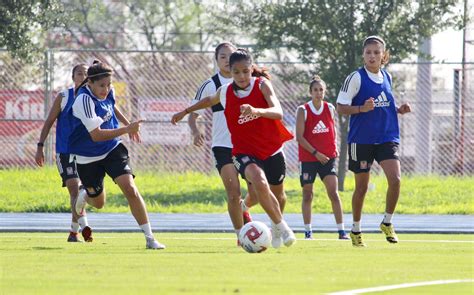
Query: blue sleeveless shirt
[(80, 141), (381, 124), (64, 124)]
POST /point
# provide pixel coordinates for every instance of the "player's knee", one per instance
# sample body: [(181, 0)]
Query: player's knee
[(394, 181)]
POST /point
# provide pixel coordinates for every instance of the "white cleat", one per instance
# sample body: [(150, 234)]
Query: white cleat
[(154, 244), (81, 202), (276, 237), (289, 237)]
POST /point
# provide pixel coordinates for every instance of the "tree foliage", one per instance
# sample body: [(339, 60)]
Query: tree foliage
[(23, 23)]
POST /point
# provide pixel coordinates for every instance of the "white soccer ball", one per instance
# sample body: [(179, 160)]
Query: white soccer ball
[(255, 237)]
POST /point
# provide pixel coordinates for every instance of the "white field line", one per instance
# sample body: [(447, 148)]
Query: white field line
[(233, 238), (400, 286)]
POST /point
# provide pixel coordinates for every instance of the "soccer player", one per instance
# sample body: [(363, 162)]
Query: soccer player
[(98, 149), (253, 114), (367, 97), (317, 151), (221, 144), (67, 169)]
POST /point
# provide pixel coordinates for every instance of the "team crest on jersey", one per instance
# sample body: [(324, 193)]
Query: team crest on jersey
[(382, 101), (320, 128)]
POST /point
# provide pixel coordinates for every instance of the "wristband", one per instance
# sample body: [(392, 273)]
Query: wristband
[(359, 109), (186, 111), (40, 144), (314, 153)]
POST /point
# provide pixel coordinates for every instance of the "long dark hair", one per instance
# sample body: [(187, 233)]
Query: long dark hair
[(242, 54), (222, 45), (97, 71)]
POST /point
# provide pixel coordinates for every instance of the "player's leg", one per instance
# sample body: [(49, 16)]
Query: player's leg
[(387, 155), (307, 176), (330, 181)]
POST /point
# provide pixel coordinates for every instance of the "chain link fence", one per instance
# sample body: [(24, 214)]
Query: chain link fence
[(437, 138)]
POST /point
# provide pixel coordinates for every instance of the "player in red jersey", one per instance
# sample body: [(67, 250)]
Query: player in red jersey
[(317, 149), (253, 115)]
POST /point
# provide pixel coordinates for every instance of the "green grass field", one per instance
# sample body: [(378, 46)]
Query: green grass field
[(39, 190), (44, 263)]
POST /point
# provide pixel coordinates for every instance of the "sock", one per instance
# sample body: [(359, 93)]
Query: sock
[(74, 227), (340, 226), (282, 226), (237, 232), (146, 228), (82, 221), (244, 207), (387, 218), (307, 227), (356, 227)]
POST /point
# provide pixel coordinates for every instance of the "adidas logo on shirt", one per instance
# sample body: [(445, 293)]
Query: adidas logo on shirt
[(381, 101), (320, 128)]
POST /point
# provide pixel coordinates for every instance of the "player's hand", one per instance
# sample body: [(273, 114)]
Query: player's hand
[(134, 127), (404, 108), (368, 106), (39, 157), (322, 158), (178, 117), (198, 139), (247, 110)]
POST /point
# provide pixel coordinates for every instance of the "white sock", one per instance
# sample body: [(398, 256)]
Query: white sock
[(146, 228), (340, 226), (387, 218), (307, 227), (244, 207), (356, 227), (83, 221), (237, 232), (282, 226), (74, 227)]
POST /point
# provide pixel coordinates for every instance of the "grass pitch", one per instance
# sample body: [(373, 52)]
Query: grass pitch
[(44, 263)]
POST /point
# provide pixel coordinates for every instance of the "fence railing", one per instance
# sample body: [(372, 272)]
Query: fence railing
[(437, 138)]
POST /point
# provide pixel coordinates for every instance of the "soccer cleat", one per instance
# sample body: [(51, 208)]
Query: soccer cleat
[(81, 202), (87, 234), (357, 239), (342, 235), (288, 237), (154, 244), (308, 235), (73, 238), (246, 216), (389, 231), (276, 237)]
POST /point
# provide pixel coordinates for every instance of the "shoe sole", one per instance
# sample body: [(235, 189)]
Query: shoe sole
[(87, 234)]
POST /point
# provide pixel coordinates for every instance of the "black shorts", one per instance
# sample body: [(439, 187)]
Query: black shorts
[(67, 170), (115, 164), (361, 156), (222, 156), (308, 170), (274, 167)]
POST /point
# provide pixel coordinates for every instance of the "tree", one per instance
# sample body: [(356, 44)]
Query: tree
[(329, 33), (22, 23)]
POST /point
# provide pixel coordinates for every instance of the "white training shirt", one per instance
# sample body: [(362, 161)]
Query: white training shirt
[(351, 86), (82, 105), (220, 132)]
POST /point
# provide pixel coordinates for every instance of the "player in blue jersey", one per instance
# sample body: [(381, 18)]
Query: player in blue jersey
[(367, 97), (67, 169), (98, 150)]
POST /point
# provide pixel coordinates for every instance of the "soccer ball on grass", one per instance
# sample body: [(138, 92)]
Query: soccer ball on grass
[(255, 237)]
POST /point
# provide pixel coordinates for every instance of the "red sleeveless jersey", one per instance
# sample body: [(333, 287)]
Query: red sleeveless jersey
[(252, 135), (320, 133)]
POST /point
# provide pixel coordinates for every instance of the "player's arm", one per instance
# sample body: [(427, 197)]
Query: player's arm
[(121, 117), (198, 137), (206, 102), (300, 127), (274, 110), (52, 116), (348, 91), (84, 110)]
